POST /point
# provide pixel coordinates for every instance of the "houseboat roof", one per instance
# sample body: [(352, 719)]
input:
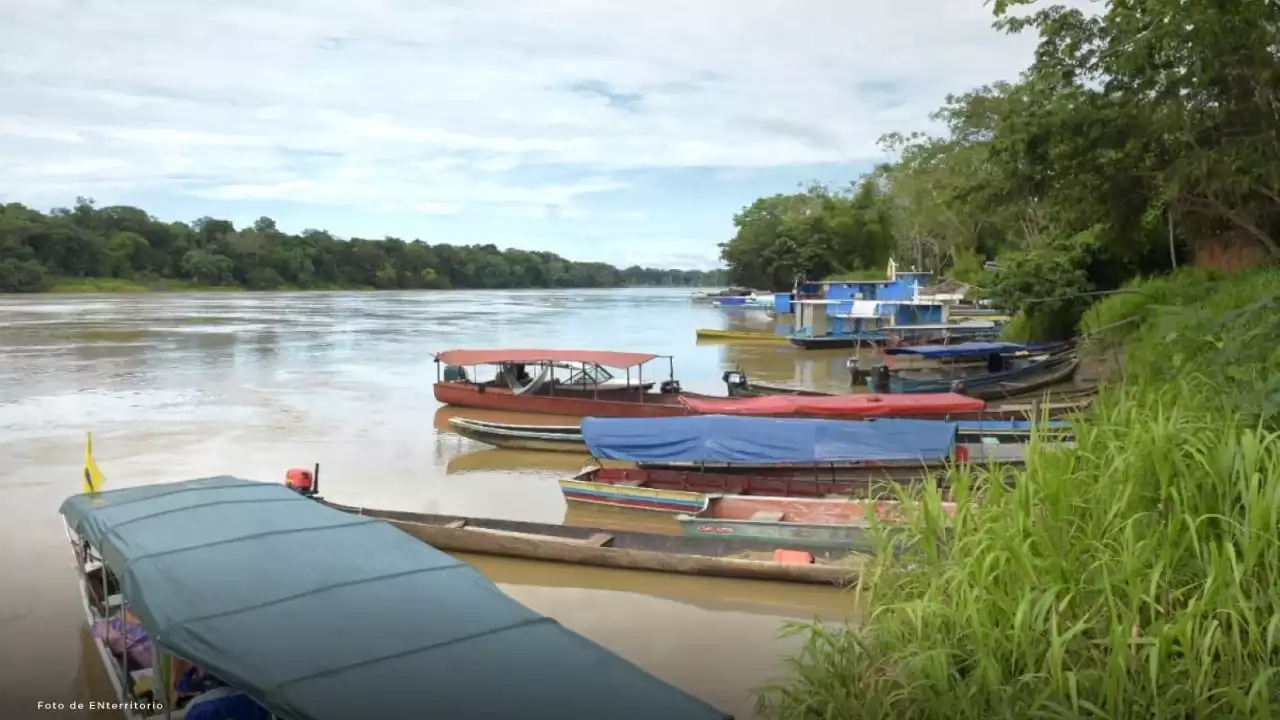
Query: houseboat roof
[(318, 614), (607, 358), (763, 440)]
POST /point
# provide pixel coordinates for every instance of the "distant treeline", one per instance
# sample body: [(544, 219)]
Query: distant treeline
[(40, 251)]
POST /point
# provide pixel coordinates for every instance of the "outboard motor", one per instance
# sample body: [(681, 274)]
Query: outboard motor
[(734, 379), (880, 378), (856, 376), (669, 387), (301, 481)]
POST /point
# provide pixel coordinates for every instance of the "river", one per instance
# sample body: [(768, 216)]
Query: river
[(176, 386)]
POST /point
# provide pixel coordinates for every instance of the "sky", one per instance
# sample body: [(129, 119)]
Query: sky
[(602, 130)]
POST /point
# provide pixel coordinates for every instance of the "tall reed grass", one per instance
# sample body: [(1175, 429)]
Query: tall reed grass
[(1134, 576)]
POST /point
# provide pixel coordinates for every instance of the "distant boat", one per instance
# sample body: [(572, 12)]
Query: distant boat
[(754, 300), (739, 336), (730, 294)]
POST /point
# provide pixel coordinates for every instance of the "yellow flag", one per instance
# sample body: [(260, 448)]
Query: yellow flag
[(93, 479)]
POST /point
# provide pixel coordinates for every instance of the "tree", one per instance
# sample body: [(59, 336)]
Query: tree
[(37, 249)]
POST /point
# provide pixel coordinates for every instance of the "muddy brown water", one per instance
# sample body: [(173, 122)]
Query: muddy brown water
[(176, 386)]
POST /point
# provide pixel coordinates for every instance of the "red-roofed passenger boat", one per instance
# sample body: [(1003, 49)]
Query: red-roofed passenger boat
[(526, 381)]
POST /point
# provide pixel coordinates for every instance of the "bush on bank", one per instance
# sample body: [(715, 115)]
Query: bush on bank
[(1133, 577)]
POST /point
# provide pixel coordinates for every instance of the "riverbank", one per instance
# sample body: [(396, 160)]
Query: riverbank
[(122, 285), (1131, 577)]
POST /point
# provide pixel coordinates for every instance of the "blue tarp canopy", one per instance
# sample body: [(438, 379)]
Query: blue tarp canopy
[(319, 614), (963, 349), (762, 440)]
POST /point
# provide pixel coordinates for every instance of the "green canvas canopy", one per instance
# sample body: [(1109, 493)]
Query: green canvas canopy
[(319, 614)]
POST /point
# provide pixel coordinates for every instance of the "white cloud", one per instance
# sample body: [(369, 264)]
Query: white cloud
[(438, 208), (446, 104), (634, 215)]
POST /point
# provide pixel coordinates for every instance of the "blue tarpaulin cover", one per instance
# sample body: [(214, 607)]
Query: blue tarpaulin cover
[(957, 350), (318, 614), (762, 440)]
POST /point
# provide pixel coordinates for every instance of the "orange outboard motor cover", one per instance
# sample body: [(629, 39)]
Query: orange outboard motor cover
[(299, 479)]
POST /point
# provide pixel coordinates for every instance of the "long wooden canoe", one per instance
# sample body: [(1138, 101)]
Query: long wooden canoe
[(718, 557), (564, 438), (709, 334), (836, 522)]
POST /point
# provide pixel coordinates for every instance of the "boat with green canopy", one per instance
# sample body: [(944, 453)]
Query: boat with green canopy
[(311, 613)]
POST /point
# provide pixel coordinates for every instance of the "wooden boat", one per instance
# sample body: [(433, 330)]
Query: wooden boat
[(565, 438), (739, 336), (738, 386), (1007, 374), (544, 394), (239, 577), (1035, 375), (822, 521), (978, 441), (656, 552), (455, 387), (866, 406), (1056, 405), (684, 491)]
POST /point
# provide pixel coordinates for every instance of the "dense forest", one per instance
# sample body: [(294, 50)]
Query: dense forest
[(41, 251), (1138, 139)]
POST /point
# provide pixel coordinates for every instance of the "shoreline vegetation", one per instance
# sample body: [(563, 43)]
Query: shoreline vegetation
[(94, 285), (123, 249), (1125, 189)]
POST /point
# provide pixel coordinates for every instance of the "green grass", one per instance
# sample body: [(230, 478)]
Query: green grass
[(1132, 577)]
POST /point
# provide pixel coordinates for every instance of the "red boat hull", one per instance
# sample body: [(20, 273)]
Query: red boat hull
[(634, 404), (640, 404)]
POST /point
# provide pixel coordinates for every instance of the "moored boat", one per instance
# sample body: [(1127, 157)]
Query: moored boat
[(656, 552), (244, 581), (841, 523), (1055, 406), (566, 438), (1007, 374), (853, 406), (517, 389), (675, 492), (975, 440), (709, 334), (857, 451)]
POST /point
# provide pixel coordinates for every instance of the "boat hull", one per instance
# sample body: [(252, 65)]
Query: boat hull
[(635, 404), (520, 437), (634, 497), (716, 557), (853, 537), (740, 336), (684, 492)]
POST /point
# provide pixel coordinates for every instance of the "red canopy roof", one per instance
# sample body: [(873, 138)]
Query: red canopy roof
[(607, 358), (851, 406)]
